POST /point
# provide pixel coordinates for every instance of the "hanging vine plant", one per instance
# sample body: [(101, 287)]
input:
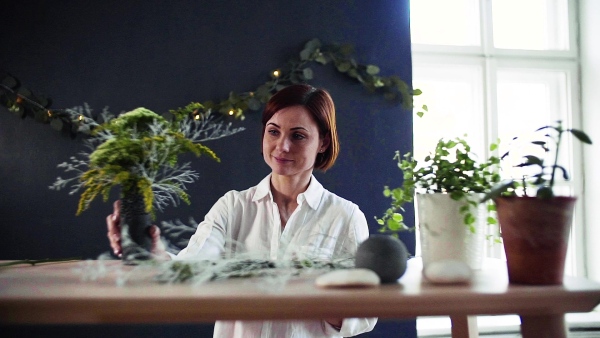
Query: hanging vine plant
[(23, 102)]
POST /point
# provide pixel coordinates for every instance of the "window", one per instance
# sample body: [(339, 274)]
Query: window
[(496, 69)]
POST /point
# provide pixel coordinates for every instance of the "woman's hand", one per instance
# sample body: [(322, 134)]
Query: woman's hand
[(114, 235), (114, 229)]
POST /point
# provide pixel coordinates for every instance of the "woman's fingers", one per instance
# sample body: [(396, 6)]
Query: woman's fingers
[(158, 247), (114, 229), (117, 208)]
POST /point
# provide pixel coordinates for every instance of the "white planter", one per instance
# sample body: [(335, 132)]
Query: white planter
[(443, 233)]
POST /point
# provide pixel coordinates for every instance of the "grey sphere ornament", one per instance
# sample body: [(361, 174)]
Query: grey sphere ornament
[(385, 255)]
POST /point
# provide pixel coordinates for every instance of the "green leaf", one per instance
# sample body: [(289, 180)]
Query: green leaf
[(305, 54), (24, 92), (533, 160), (456, 195), (353, 73), (313, 44), (420, 114), (346, 49), (564, 172), (254, 104), (263, 91), (10, 82), (398, 217), (393, 225), (581, 136), (372, 70), (390, 96), (322, 59), (56, 124), (344, 67), (307, 73), (545, 192)]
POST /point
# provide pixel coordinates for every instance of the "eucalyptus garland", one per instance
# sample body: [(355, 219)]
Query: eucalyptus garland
[(24, 102)]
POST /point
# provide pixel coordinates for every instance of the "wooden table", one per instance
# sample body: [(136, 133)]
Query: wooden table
[(54, 293)]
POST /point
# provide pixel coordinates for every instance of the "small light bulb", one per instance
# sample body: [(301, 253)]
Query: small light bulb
[(276, 73), (231, 112), (19, 100), (197, 117), (80, 117), (49, 113)]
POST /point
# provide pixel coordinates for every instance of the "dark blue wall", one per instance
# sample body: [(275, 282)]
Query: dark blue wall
[(165, 54)]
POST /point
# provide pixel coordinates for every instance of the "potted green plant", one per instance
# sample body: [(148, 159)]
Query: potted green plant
[(446, 185), (138, 151), (535, 229)]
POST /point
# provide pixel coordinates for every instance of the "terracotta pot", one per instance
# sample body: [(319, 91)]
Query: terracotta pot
[(135, 223), (535, 233)]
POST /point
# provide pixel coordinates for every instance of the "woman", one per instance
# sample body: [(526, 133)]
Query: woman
[(287, 215)]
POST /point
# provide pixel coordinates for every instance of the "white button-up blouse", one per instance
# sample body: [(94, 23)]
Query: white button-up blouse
[(323, 226)]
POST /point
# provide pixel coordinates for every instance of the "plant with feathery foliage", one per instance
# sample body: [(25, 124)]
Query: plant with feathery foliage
[(139, 152)]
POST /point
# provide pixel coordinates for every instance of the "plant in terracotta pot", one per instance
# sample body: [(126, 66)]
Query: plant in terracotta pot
[(535, 229), (138, 151), (446, 185)]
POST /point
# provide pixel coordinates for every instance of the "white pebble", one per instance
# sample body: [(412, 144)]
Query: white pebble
[(348, 278)]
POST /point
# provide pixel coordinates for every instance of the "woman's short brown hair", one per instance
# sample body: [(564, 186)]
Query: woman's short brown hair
[(320, 105)]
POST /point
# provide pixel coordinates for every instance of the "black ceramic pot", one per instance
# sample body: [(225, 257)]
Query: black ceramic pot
[(135, 222)]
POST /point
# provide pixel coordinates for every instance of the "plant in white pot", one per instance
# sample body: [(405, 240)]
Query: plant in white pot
[(139, 151), (535, 229), (447, 186)]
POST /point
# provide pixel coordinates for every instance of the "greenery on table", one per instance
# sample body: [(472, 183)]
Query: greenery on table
[(204, 271)]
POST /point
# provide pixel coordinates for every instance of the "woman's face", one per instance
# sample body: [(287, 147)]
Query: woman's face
[(291, 142)]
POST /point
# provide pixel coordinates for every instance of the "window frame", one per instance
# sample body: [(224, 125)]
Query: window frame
[(494, 59)]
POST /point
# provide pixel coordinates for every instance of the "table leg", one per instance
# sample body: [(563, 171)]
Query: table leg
[(464, 326), (543, 326)]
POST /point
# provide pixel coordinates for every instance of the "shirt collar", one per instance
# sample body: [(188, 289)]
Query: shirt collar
[(263, 189), (312, 195)]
